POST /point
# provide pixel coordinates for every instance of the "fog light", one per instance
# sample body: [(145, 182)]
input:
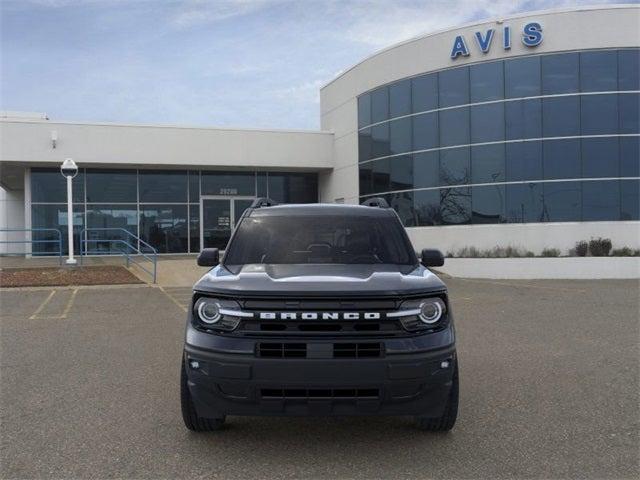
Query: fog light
[(444, 364), (194, 364)]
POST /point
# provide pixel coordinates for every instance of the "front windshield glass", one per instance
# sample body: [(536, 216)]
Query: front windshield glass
[(313, 239)]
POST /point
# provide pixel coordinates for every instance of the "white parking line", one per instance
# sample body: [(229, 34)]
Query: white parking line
[(173, 299), (42, 305), (38, 313)]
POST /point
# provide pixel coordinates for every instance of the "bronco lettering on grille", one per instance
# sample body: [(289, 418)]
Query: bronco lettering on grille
[(319, 316)]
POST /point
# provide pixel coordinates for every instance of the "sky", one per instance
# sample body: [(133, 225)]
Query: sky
[(227, 63)]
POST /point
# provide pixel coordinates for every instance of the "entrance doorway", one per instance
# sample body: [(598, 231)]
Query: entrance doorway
[(218, 218)]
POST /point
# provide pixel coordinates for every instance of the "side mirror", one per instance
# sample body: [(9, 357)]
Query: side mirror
[(209, 257), (432, 258)]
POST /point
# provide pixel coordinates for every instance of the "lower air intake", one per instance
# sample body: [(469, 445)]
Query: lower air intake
[(311, 393)]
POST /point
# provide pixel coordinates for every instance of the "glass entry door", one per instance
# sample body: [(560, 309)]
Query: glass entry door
[(218, 218)]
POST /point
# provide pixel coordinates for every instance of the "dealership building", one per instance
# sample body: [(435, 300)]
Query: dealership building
[(520, 131)]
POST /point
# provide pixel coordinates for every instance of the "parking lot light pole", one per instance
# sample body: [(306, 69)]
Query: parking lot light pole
[(69, 169)]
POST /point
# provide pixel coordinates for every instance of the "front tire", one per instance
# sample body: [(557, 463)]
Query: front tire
[(191, 419), (448, 418)]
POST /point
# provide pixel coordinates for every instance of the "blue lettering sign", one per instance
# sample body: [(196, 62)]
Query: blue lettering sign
[(485, 43), (459, 48), (532, 35), (506, 38)]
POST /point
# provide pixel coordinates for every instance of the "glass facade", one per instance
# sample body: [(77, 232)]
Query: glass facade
[(162, 207), (545, 138)]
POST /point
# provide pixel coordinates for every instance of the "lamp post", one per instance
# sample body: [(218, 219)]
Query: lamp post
[(69, 170)]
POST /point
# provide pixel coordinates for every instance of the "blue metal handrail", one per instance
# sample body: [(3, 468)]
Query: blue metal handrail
[(32, 241), (151, 256)]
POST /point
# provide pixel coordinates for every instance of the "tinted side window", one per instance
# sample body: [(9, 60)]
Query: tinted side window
[(487, 81), (400, 99), (380, 140), (366, 177), (401, 172), (163, 186), (561, 116), (560, 73), (562, 201), (600, 157), (424, 92), (522, 77), (454, 127), (487, 164), (49, 186), (630, 200), (455, 205), (381, 175), (400, 135), (379, 104), (425, 131), (487, 123), (112, 186), (629, 69), (365, 145), (426, 168), (599, 71), (630, 157), (523, 161), (629, 113), (427, 207), (599, 114), (364, 110), (600, 201), (488, 204), (453, 87), (524, 203), (523, 119), (561, 159), (454, 166), (228, 183)]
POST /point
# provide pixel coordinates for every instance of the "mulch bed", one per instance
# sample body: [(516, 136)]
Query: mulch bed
[(57, 276)]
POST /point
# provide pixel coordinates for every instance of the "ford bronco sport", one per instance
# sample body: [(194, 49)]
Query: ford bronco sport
[(319, 310)]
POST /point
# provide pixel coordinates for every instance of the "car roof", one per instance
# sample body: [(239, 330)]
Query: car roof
[(310, 209)]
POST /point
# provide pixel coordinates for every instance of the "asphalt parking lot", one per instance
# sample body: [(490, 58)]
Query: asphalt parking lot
[(549, 389)]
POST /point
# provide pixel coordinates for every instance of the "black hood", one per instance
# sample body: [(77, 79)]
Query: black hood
[(319, 280)]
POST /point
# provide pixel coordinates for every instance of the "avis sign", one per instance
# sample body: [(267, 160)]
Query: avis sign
[(531, 37)]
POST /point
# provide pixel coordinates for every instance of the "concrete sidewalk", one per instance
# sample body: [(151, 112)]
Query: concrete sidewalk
[(180, 271), (172, 271)]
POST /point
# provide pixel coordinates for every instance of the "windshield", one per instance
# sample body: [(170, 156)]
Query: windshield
[(344, 239)]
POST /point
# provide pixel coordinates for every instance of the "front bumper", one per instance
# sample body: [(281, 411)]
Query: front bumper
[(409, 380)]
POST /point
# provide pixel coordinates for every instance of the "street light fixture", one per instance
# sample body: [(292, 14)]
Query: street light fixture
[(69, 169)]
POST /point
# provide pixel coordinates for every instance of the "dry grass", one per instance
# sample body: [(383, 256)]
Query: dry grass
[(59, 276)]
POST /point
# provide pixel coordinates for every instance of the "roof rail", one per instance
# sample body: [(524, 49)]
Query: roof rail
[(263, 202), (375, 202)]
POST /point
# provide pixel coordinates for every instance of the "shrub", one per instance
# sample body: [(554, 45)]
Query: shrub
[(600, 247), (581, 248), (550, 252), (495, 252), (625, 252)]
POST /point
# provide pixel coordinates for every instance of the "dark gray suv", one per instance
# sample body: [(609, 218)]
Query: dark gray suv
[(319, 310)]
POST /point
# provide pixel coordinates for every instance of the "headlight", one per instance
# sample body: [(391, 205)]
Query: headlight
[(217, 314), (422, 314), (208, 310), (431, 310)]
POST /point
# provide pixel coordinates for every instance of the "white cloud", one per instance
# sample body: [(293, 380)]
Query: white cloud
[(196, 12), (378, 23)]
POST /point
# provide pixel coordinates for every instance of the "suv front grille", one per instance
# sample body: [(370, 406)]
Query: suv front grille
[(282, 350), (337, 350), (311, 393), (357, 350)]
